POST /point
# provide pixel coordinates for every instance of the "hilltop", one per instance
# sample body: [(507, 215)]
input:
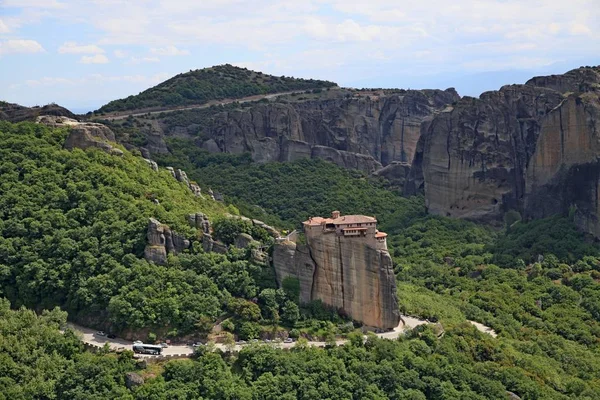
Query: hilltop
[(215, 83)]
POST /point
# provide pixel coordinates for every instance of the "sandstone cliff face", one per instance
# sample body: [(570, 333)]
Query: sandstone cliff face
[(532, 147), (472, 157), (345, 274), (362, 133), (565, 170)]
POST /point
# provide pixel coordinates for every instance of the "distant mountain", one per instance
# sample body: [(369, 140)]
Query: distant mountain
[(215, 83), (18, 113)]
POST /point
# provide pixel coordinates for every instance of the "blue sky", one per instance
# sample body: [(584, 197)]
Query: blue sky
[(84, 53)]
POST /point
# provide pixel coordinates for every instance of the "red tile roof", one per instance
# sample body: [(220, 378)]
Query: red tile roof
[(380, 234), (343, 220)]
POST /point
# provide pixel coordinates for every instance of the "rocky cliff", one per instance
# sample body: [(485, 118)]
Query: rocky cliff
[(520, 147), (564, 173), (361, 131), (17, 113), (344, 273)]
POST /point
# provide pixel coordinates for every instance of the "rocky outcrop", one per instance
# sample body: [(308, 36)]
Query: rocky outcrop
[(162, 241), (17, 113), (83, 135), (200, 221), (211, 245), (152, 164), (344, 273), (182, 177), (359, 131), (243, 240), (396, 173)]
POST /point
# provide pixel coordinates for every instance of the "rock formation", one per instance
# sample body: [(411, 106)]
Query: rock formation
[(564, 172), (344, 264), (17, 113), (200, 221), (361, 132), (83, 135), (181, 176), (162, 241), (531, 148)]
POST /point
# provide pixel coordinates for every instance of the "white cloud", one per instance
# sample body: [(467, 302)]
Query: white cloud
[(74, 48), (169, 51), (120, 53), (3, 27), (139, 60), (20, 46), (39, 4), (97, 59), (580, 29)]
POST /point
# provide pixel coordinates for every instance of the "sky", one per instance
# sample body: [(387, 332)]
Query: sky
[(83, 53)]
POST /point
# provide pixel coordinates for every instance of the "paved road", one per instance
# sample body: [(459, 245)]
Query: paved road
[(89, 336), (126, 114)]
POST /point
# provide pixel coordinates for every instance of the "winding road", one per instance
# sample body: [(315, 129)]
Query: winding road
[(90, 337), (141, 112)]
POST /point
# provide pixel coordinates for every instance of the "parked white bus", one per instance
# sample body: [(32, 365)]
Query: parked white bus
[(147, 349)]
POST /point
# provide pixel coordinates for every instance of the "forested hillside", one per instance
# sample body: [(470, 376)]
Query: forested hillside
[(536, 284), (73, 230), (216, 83)]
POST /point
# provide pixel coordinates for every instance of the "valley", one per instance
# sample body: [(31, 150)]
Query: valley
[(169, 224)]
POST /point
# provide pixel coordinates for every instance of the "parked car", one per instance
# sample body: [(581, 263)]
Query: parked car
[(164, 345), (288, 340), (111, 336), (254, 341), (240, 342), (268, 340), (197, 344), (100, 333), (138, 342)]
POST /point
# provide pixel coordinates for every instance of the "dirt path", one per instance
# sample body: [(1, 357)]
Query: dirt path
[(141, 112), (484, 329)]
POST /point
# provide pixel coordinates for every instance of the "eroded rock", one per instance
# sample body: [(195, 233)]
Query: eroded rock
[(83, 135), (162, 241), (348, 270), (363, 132)]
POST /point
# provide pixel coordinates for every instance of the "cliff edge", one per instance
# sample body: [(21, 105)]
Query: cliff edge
[(346, 265)]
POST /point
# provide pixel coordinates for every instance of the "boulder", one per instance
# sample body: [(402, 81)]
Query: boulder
[(132, 380), (196, 189), (243, 240), (152, 164)]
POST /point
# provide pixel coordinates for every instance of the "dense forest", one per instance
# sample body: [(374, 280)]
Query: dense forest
[(72, 234), (73, 231), (535, 283), (216, 83)]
